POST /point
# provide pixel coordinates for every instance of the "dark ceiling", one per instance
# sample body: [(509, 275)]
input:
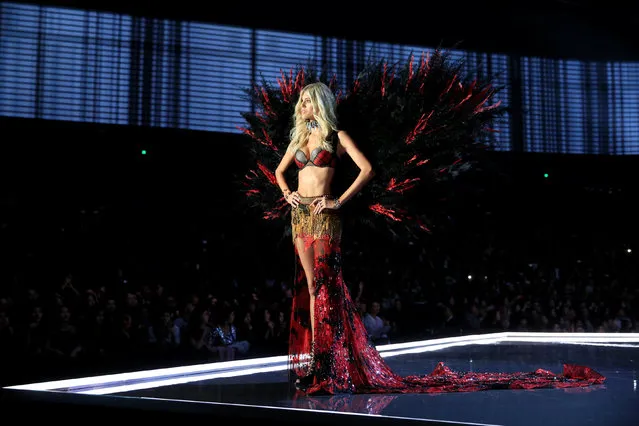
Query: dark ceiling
[(550, 28)]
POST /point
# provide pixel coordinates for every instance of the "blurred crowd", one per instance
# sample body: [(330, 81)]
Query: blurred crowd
[(486, 287)]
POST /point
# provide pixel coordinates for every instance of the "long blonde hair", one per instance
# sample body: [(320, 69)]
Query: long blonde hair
[(323, 102)]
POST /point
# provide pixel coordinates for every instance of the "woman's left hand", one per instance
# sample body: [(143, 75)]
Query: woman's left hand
[(320, 204)]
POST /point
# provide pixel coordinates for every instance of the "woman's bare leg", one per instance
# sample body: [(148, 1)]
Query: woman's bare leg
[(308, 264)]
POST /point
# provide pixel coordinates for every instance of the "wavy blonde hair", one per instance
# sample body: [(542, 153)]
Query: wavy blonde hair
[(323, 102)]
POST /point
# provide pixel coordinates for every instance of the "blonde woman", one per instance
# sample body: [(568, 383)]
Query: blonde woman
[(329, 349), (320, 295)]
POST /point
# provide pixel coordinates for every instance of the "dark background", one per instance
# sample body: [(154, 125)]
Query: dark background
[(91, 203), (152, 212)]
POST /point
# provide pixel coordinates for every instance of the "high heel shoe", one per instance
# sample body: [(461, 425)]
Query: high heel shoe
[(304, 382)]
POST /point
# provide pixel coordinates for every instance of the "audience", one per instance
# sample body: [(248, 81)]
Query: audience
[(487, 284)]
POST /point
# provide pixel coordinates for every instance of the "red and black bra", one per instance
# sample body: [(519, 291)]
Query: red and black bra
[(319, 158)]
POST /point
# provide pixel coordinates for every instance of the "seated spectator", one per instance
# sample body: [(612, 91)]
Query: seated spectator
[(377, 327)]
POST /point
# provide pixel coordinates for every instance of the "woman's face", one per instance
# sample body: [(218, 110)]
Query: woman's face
[(306, 108)]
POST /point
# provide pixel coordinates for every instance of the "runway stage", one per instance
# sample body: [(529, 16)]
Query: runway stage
[(258, 389)]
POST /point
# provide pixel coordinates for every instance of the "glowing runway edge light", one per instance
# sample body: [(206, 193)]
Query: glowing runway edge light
[(180, 380), (244, 372), (165, 373), (115, 383), (149, 374)]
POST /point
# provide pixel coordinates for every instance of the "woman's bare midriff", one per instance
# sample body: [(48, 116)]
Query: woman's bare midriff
[(315, 181)]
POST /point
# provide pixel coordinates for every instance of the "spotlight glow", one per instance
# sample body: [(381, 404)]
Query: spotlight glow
[(147, 379)]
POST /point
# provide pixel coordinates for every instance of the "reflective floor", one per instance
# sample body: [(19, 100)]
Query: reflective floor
[(615, 403)]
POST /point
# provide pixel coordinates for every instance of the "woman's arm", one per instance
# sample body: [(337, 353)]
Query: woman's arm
[(366, 172), (291, 197)]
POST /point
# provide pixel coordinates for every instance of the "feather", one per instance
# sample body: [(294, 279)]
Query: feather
[(421, 124)]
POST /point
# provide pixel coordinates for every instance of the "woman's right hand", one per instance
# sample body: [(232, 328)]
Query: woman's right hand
[(293, 199)]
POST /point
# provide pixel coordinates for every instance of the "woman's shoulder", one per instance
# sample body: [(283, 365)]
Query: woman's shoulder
[(337, 135), (341, 134)]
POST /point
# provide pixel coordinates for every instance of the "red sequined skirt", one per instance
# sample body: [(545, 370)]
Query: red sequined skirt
[(341, 359)]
